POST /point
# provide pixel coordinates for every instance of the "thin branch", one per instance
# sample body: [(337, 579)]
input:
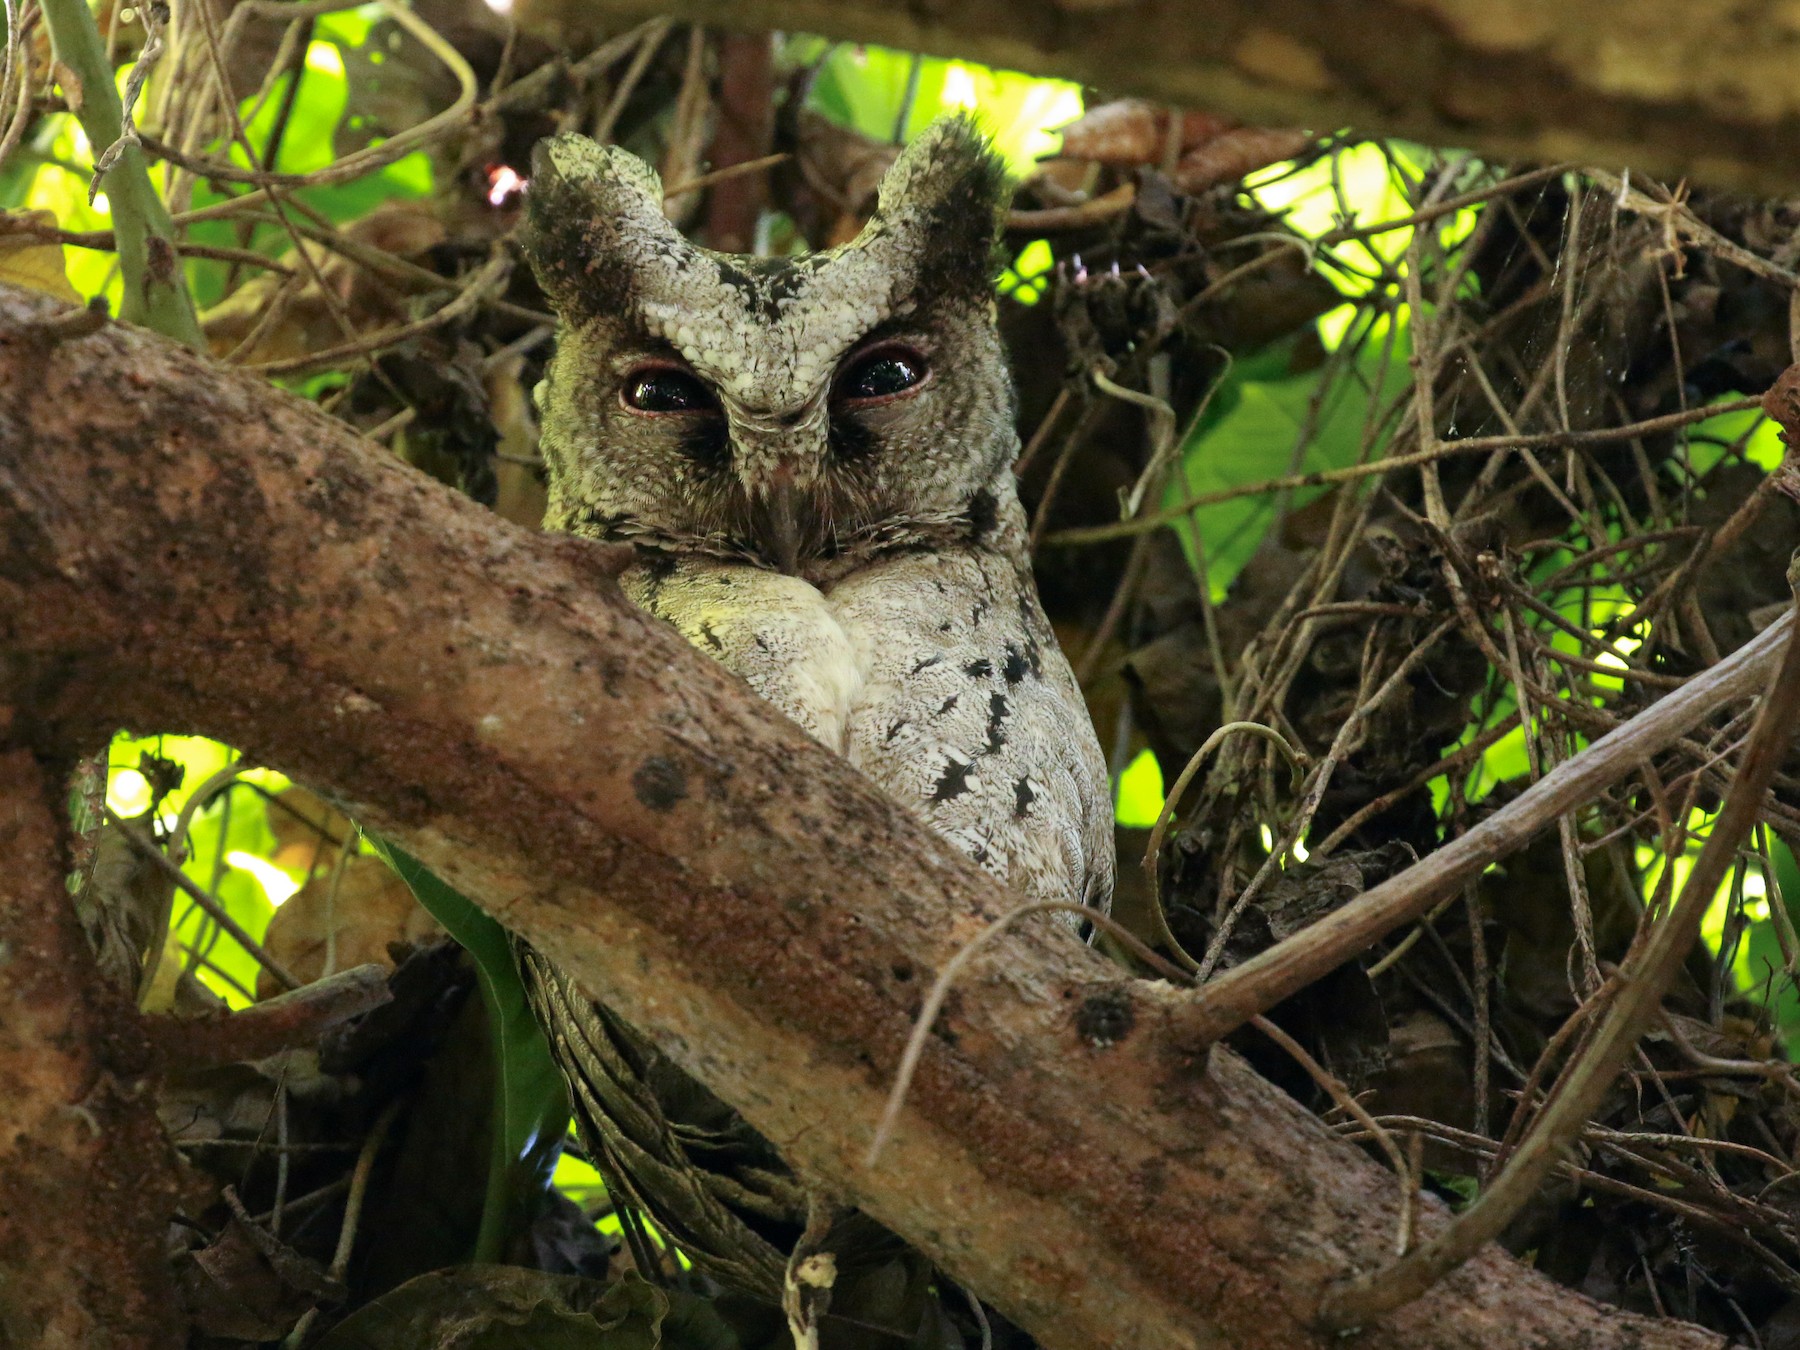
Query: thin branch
[(1291, 965), (1577, 1095), (208, 902), (1471, 445)]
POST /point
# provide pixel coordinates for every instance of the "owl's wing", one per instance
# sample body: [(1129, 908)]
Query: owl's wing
[(665, 1145), (969, 714)]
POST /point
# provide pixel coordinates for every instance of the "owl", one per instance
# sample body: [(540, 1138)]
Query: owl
[(812, 459)]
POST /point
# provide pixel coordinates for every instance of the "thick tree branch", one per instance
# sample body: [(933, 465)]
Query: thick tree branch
[(182, 548), (87, 1178), (1666, 86)]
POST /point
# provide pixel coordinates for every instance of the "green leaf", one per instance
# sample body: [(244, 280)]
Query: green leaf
[(1251, 432), (531, 1107), (865, 88), (1764, 966)]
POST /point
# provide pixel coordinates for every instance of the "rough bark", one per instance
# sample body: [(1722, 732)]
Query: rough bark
[(183, 548), (1665, 86), (87, 1179)]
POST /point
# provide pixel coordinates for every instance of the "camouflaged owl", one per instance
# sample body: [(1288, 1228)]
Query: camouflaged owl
[(812, 457)]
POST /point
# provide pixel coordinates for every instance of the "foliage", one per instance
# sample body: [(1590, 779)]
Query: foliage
[(531, 1106)]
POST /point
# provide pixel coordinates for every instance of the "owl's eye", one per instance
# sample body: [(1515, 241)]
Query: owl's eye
[(882, 374), (664, 389)]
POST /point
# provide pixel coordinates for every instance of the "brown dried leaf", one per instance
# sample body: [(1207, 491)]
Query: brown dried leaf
[(123, 903), (344, 920), (36, 264), (1131, 131), (843, 169), (1782, 404), (248, 1285), (1232, 154)]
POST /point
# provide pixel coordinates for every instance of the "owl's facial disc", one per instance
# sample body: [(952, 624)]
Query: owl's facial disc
[(793, 412)]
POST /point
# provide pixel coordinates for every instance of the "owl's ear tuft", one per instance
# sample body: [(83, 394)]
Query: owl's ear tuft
[(589, 210), (943, 199)]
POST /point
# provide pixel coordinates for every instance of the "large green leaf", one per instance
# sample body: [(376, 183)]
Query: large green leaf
[(1256, 428), (531, 1107)]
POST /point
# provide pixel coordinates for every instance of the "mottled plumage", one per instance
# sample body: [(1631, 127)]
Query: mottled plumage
[(813, 457)]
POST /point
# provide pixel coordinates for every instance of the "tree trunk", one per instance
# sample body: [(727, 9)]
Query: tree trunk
[(87, 1177), (1665, 86)]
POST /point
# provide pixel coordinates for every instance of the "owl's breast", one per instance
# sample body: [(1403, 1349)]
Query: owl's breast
[(969, 714), (778, 633), (937, 675)]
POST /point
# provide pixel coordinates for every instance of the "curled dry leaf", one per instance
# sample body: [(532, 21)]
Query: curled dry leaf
[(1132, 131), (249, 1285), (36, 264), (1782, 404), (842, 169), (338, 920), (1237, 152)]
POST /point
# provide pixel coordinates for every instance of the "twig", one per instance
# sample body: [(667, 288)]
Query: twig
[(731, 171), (353, 1204), (1635, 1004), (1161, 430), (200, 897), (1042, 434), (15, 74), (156, 293), (280, 1023), (485, 283), (1349, 736), (1291, 965), (374, 157), (1051, 219), (1153, 847), (1449, 206), (1472, 445), (1338, 1093), (649, 42)]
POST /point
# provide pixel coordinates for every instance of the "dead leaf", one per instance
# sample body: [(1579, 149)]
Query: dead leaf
[(841, 169), (36, 264), (336, 921), (248, 1284), (1233, 154), (1131, 131)]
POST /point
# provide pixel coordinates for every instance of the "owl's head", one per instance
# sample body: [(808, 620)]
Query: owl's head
[(783, 411)]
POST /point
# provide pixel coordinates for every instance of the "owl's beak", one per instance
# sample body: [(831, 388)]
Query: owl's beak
[(777, 521)]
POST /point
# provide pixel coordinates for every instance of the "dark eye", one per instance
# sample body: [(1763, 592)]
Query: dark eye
[(882, 373), (663, 389)]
